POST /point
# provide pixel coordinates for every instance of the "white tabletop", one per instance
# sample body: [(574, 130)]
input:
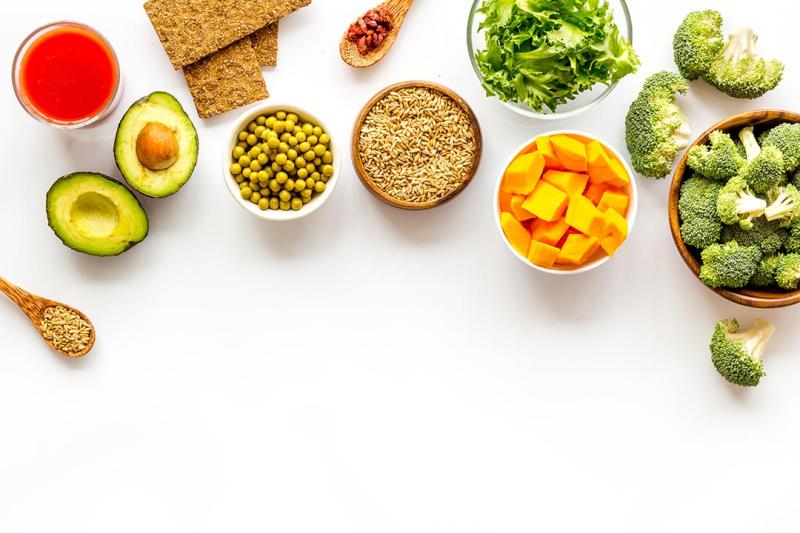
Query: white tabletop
[(367, 369)]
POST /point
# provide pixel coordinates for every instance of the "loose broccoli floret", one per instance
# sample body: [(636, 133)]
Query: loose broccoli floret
[(786, 138), (787, 275), (697, 43), (697, 206), (785, 206), (765, 273), (738, 205), (737, 354), (721, 161), (655, 128), (796, 179), (729, 265), (768, 236), (739, 70), (764, 168)]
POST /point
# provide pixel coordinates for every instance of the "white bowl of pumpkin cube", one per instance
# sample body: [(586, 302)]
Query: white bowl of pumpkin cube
[(565, 202), (280, 162)]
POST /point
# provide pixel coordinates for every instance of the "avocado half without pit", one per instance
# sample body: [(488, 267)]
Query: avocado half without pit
[(156, 145), (96, 215)]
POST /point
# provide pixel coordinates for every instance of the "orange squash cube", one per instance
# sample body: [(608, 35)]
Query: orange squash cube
[(571, 153), (546, 202), (516, 233), (516, 209), (614, 200), (594, 192), (578, 249), (572, 183), (504, 199), (542, 254), (549, 232), (615, 225), (611, 244), (523, 174), (545, 147), (585, 217)]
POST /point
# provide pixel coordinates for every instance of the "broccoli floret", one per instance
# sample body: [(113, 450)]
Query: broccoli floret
[(787, 275), (796, 179), (737, 354), (764, 168), (785, 205), (737, 204), (697, 43), (697, 206), (739, 70), (721, 161), (792, 244), (765, 273), (768, 236), (655, 128), (786, 138), (729, 265)]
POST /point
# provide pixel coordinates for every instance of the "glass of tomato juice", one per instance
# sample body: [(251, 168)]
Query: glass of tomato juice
[(66, 75)]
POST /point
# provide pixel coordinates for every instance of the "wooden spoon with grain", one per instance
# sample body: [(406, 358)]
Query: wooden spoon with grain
[(349, 51), (67, 330)]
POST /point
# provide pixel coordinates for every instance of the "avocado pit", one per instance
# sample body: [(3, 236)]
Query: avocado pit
[(157, 146)]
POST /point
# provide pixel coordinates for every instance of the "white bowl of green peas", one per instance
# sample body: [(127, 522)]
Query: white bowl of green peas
[(280, 162)]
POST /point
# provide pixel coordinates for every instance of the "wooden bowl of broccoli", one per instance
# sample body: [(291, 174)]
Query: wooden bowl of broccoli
[(734, 208)]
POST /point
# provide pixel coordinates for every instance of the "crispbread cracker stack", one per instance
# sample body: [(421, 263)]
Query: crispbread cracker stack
[(190, 30), (265, 41), (226, 80)]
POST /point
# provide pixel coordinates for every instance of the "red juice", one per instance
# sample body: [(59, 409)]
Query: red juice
[(68, 74)]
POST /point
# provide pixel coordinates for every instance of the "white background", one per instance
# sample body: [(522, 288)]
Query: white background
[(367, 369)]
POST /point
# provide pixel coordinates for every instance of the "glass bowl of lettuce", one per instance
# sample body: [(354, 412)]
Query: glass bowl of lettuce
[(550, 59)]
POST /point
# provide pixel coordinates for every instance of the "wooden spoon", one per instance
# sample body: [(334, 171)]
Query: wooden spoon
[(349, 51), (34, 307)]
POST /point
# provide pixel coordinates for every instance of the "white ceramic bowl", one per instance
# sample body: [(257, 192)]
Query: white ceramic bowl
[(601, 258), (272, 214)]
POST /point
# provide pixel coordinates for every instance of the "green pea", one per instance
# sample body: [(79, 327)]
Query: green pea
[(281, 115), (247, 192), (312, 140), (310, 182), (300, 162), (264, 136), (236, 168), (273, 143), (243, 185), (283, 148), (251, 139), (263, 159), (255, 197), (316, 176), (260, 119), (243, 145), (255, 166), (327, 171), (308, 129), (291, 154), (299, 185), (312, 169), (281, 159), (289, 166), (309, 155), (269, 122), (263, 204), (274, 203), (238, 178), (297, 204), (293, 117), (301, 137), (289, 124), (274, 186), (281, 177), (251, 127), (255, 151), (289, 185), (244, 161), (306, 193), (279, 127), (327, 158), (292, 141), (318, 131), (302, 173), (259, 130), (263, 175), (238, 152), (285, 206), (319, 151), (247, 172), (305, 200), (285, 137), (242, 135), (325, 138), (319, 187)]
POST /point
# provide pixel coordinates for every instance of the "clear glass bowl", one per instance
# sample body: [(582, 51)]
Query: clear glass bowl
[(582, 102)]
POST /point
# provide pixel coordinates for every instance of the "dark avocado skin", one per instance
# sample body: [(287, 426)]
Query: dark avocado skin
[(191, 130), (97, 175)]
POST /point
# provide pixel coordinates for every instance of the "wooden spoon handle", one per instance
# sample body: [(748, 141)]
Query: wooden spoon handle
[(398, 8), (29, 304)]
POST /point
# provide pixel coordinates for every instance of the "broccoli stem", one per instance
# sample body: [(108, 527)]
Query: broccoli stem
[(741, 45), (782, 206), (750, 143), (756, 338)]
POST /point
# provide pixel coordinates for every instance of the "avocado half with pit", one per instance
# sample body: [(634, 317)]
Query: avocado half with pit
[(96, 215), (156, 145)]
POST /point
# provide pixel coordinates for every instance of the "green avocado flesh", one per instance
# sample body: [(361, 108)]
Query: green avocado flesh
[(161, 109), (94, 214)]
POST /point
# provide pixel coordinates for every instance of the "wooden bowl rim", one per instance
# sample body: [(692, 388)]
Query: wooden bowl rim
[(764, 299), (367, 180)]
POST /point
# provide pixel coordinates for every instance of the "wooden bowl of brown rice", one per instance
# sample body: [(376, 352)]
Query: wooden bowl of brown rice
[(416, 145)]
